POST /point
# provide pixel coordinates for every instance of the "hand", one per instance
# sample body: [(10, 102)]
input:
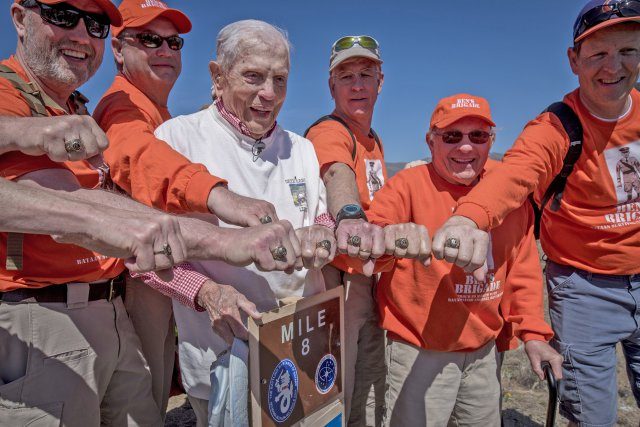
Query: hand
[(239, 210), (471, 254), (136, 237), (313, 255), (255, 244), (47, 136), (223, 303), (371, 241), (540, 351), (417, 236)]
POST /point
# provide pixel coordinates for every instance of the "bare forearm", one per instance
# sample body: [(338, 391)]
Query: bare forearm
[(9, 132), (341, 187), (27, 209)]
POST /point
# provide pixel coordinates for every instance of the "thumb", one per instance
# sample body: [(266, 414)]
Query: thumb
[(165, 275), (368, 266), (481, 273), (249, 308)]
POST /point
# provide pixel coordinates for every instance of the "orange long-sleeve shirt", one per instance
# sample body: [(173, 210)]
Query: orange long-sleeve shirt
[(597, 227), (45, 262), (144, 166), (441, 307)]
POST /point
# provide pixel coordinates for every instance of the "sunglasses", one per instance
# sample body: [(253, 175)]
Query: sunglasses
[(65, 16), (600, 14), (154, 41), (348, 42), (455, 136)]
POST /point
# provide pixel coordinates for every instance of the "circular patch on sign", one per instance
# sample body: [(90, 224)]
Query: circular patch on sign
[(326, 373), (283, 390)]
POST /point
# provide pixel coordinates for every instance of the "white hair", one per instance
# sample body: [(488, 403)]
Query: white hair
[(240, 35)]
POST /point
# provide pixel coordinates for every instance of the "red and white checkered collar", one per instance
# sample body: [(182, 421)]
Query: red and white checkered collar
[(235, 121)]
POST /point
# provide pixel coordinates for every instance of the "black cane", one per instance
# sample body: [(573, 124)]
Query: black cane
[(552, 385)]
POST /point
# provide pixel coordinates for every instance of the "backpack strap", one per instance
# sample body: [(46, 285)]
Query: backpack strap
[(37, 102), (343, 123), (573, 128)]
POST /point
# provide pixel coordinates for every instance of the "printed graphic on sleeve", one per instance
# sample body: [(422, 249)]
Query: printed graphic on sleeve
[(624, 168), (375, 179)]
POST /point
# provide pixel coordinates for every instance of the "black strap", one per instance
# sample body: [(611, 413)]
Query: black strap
[(343, 123), (573, 128)]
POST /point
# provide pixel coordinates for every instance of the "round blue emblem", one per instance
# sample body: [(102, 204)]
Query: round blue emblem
[(283, 390), (326, 373)]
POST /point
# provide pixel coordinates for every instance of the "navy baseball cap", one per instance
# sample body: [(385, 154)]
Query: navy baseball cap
[(598, 14)]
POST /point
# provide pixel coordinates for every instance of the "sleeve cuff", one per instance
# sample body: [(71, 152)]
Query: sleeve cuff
[(197, 192), (475, 213), (535, 336)]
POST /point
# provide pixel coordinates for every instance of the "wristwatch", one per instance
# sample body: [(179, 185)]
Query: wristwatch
[(350, 211)]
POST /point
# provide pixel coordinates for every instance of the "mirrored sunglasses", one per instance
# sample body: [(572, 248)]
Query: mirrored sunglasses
[(348, 42), (602, 13), (455, 136), (65, 16)]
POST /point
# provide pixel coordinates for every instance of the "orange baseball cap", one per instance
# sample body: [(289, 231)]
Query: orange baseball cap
[(136, 13), (451, 109), (107, 7)]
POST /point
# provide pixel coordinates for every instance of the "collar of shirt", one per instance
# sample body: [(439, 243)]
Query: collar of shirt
[(236, 123)]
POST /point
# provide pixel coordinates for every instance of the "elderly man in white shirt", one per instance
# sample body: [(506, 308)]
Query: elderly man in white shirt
[(237, 138)]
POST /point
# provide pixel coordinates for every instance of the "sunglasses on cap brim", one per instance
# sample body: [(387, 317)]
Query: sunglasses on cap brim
[(348, 42), (603, 13)]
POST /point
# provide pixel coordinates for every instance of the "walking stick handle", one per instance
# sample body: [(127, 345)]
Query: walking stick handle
[(552, 385)]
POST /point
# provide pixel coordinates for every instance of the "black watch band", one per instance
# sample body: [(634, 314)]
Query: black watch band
[(350, 211)]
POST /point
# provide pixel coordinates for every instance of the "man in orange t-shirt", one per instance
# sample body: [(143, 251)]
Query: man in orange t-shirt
[(444, 327), (593, 239), (352, 168)]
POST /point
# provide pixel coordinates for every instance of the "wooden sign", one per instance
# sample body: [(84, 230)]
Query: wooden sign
[(296, 362)]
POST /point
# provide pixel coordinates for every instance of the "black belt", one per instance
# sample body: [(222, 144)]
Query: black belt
[(108, 290)]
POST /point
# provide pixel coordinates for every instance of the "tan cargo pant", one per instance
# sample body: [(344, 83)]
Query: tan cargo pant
[(365, 368), (79, 366), (432, 388), (151, 314)]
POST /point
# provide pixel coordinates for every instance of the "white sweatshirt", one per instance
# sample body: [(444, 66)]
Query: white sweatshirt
[(286, 174)]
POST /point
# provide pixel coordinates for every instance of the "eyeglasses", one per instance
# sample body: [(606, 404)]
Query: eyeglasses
[(348, 78), (154, 41), (65, 16), (455, 136), (600, 14)]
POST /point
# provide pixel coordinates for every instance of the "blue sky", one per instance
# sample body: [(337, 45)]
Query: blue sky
[(511, 52)]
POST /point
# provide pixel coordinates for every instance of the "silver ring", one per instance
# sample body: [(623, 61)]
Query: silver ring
[(324, 244), (166, 250), (402, 243), (266, 219), (279, 253), (452, 242), (73, 146), (354, 241)]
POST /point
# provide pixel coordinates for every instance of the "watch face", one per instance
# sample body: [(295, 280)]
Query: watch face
[(351, 209)]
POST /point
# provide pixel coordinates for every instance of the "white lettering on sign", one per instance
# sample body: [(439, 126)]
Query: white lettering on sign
[(304, 326)]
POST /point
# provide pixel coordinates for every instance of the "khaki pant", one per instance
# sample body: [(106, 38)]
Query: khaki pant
[(432, 388), (151, 314), (79, 366), (201, 409), (364, 350)]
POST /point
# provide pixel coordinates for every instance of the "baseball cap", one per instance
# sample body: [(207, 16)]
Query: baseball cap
[(136, 13), (354, 46), (598, 14), (107, 7), (451, 109)]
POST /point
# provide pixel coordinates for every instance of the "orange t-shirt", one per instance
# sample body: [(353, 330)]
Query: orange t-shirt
[(441, 307), (145, 167), (45, 262), (333, 144), (597, 227)]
